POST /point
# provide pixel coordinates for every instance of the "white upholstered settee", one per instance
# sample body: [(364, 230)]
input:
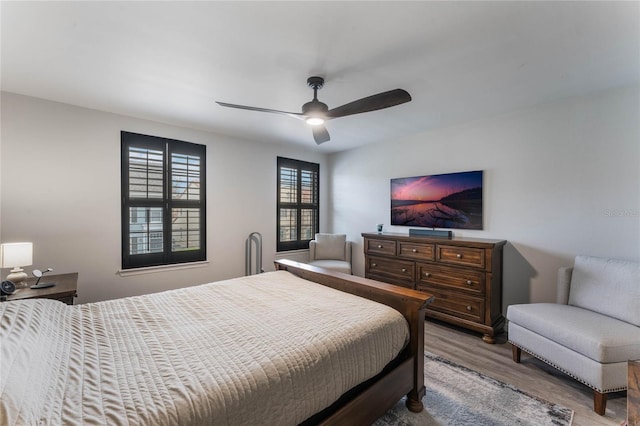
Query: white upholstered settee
[(331, 251), (593, 329)]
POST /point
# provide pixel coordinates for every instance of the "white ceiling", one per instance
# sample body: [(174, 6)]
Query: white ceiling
[(461, 61)]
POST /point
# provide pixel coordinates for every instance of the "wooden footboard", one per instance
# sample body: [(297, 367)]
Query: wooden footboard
[(406, 374)]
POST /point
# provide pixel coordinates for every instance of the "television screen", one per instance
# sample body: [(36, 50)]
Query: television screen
[(452, 200)]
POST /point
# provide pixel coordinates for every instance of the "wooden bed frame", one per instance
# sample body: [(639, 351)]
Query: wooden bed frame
[(403, 376)]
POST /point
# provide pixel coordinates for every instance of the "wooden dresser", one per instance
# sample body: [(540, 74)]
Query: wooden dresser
[(463, 274)]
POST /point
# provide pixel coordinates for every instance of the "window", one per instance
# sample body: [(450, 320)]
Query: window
[(298, 203), (163, 201)]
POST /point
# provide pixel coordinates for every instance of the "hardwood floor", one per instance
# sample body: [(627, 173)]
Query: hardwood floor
[(531, 375)]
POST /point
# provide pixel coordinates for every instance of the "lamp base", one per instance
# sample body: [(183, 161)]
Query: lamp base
[(18, 277)]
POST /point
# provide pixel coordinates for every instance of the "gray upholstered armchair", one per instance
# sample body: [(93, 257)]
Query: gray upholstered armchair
[(331, 251), (593, 329)]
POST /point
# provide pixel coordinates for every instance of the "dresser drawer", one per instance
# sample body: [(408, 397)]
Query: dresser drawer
[(389, 279), (393, 269), (416, 251), (466, 256), (455, 304), (466, 280), (373, 246)]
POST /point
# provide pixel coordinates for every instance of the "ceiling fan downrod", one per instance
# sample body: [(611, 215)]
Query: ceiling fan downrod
[(315, 110), (315, 83)]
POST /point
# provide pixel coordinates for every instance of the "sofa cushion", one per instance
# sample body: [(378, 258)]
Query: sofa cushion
[(330, 246), (608, 286), (599, 337)]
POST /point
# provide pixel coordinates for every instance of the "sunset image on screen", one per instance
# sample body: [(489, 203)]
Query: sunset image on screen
[(452, 200)]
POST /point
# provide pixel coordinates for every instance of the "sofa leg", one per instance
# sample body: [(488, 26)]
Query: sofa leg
[(516, 351), (599, 402)]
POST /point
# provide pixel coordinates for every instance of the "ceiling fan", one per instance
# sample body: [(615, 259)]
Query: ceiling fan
[(315, 113)]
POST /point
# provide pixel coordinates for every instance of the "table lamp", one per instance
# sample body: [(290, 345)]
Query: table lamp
[(16, 255)]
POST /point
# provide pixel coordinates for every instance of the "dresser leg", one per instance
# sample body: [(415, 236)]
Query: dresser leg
[(489, 339)]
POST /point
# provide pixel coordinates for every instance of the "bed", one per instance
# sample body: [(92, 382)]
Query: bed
[(273, 348)]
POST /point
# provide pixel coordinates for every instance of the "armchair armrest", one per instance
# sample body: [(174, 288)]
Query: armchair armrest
[(347, 254), (564, 285)]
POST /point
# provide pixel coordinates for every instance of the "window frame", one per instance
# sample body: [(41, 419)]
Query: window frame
[(166, 202), (300, 166)]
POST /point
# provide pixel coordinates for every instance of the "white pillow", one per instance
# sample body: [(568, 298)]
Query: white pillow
[(608, 286), (330, 246)]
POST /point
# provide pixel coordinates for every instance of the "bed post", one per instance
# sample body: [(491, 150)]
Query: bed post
[(414, 397)]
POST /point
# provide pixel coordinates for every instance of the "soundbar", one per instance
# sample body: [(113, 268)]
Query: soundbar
[(430, 233)]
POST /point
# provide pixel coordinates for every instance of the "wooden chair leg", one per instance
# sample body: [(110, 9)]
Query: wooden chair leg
[(599, 402), (516, 351)]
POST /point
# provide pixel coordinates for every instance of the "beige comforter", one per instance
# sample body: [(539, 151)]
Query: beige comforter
[(268, 349)]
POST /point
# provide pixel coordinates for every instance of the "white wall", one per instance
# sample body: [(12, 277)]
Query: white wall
[(559, 180), (60, 171)]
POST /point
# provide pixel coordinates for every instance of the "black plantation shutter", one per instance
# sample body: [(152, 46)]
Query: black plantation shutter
[(163, 201), (298, 203)]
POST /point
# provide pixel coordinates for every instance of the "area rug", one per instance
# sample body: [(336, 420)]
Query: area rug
[(457, 395)]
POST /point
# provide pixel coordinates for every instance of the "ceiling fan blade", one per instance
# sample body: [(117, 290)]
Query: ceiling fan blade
[(371, 103), (320, 134), (274, 111)]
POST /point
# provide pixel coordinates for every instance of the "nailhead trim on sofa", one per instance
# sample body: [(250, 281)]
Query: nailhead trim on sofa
[(566, 372)]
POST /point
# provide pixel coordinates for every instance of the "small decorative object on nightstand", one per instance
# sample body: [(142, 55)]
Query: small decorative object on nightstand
[(7, 287), (38, 274), (65, 289)]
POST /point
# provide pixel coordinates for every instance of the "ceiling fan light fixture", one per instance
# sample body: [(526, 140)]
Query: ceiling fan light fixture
[(315, 121), (315, 113)]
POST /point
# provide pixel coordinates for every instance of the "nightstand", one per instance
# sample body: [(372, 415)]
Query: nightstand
[(65, 289)]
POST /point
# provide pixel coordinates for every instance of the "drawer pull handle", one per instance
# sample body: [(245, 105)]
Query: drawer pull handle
[(374, 264), (469, 282), (414, 250), (469, 308), (426, 274), (404, 269), (459, 256), (379, 245)]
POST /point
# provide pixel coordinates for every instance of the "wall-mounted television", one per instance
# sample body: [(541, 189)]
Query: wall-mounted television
[(452, 200)]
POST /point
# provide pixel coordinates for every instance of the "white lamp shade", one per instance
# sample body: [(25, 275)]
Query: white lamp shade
[(13, 255)]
